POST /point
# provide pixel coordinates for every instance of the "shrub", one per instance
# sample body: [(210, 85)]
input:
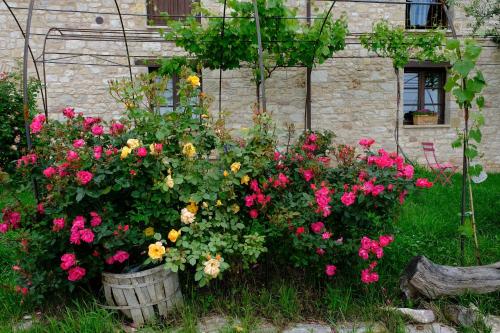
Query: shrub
[(12, 133)]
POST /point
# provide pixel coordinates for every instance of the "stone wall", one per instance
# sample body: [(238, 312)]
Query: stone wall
[(353, 94)]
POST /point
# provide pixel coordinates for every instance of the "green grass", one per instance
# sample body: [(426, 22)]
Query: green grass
[(427, 224)]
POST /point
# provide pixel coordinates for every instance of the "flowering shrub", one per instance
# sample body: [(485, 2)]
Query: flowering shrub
[(316, 214), (12, 134)]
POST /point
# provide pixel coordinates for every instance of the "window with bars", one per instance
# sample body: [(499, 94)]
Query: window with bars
[(175, 9), (423, 91), (425, 14)]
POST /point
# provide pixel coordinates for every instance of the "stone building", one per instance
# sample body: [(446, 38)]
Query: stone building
[(353, 94)]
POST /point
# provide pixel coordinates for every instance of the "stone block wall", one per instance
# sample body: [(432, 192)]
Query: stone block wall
[(353, 94)]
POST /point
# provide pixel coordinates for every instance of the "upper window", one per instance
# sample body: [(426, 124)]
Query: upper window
[(175, 9), (424, 96), (425, 14)]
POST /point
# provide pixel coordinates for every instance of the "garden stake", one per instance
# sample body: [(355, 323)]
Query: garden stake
[(473, 221)]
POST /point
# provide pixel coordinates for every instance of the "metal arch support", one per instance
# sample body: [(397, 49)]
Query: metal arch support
[(308, 109), (25, 88), (43, 63), (45, 109), (261, 60), (125, 40), (222, 57)]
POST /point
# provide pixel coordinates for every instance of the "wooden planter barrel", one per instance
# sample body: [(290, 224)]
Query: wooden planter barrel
[(142, 295)]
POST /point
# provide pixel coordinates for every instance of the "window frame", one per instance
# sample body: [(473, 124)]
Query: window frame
[(434, 10), (153, 18), (422, 70)]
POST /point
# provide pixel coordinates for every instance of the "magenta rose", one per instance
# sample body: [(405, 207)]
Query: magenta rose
[(84, 177)]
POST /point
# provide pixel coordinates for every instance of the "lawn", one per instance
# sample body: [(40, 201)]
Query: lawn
[(427, 224)]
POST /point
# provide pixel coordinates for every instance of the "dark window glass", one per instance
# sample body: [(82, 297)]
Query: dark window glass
[(423, 90), (175, 9), (425, 14)]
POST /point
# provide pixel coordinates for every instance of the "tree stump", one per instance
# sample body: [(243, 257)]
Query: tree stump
[(423, 278)]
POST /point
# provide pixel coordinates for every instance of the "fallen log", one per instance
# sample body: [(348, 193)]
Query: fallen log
[(423, 278)]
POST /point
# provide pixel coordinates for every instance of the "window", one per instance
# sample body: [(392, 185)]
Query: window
[(176, 9), (425, 14), (170, 94), (423, 90)]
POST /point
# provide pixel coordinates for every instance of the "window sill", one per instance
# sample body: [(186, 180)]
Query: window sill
[(428, 126)]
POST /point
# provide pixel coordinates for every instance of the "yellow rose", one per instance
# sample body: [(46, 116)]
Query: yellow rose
[(189, 150), (218, 203), (204, 116), (194, 80), (149, 231), (226, 173), (235, 167), (125, 152), (235, 208), (173, 235), (212, 267), (205, 204), (192, 207), (156, 251), (169, 181), (245, 179), (133, 143)]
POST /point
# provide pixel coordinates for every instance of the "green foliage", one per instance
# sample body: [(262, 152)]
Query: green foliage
[(399, 45), (466, 83), (486, 15), (12, 134), (286, 42)]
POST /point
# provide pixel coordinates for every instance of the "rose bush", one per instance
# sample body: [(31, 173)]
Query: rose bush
[(317, 212)]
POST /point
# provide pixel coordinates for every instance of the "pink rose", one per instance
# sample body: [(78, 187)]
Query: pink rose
[(254, 185), (142, 152), (97, 152), (308, 174), (69, 112), (121, 256), (76, 273), (312, 137), (363, 253), (97, 130), (14, 219), (4, 227), (72, 156), (326, 235), (78, 143), (117, 128), (36, 127), (110, 260), (402, 196), (96, 219), (74, 237), (317, 227), (253, 213), (366, 243), (49, 172), (385, 240), (58, 224), (390, 187), (89, 121), (368, 276), (84, 177), (377, 189), (87, 235), (40, 209), (249, 200), (78, 223), (320, 251), (348, 198), (408, 171), (366, 143), (330, 270), (423, 182), (68, 260)]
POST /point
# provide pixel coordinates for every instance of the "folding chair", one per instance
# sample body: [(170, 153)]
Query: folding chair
[(439, 169)]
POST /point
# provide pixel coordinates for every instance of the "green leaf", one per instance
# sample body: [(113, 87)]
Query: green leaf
[(466, 229), (475, 134), (480, 102), (471, 153), (452, 44), (463, 67), (80, 194), (450, 83), (457, 143), (157, 236)]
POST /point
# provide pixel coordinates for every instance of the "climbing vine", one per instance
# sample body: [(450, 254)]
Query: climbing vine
[(285, 42)]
